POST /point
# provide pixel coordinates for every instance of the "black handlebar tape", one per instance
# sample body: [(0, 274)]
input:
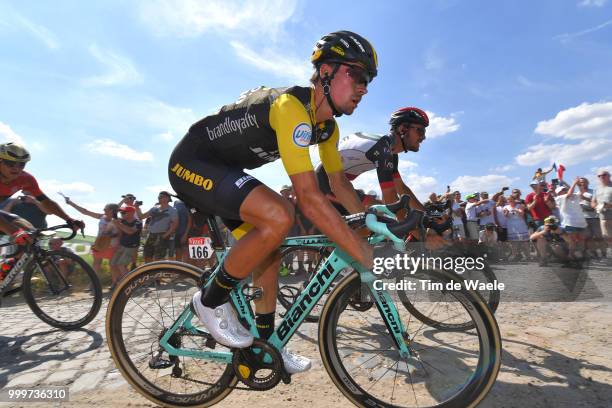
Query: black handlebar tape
[(414, 220), (402, 203)]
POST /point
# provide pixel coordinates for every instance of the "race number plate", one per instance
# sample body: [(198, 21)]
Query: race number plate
[(200, 248)]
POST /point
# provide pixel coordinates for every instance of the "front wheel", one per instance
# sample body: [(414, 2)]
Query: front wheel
[(145, 304), (449, 369), (62, 290)]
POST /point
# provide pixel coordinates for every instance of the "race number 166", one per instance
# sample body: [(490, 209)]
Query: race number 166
[(200, 248)]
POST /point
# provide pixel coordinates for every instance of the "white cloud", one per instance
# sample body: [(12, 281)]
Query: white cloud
[(586, 120), (67, 188), (120, 70), (433, 60), (38, 31), (592, 3), (274, 61), (587, 150), (502, 169), (111, 148), (420, 185), (440, 125), (489, 182), (192, 18), (565, 37), (8, 135)]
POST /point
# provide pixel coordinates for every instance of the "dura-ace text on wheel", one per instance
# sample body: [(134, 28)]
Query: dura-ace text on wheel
[(141, 310)]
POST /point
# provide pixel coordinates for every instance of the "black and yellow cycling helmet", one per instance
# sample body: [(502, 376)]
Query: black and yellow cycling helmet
[(14, 152), (343, 47)]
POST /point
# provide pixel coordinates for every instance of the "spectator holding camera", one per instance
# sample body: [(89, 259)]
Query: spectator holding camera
[(162, 226), (130, 228), (572, 218), (107, 239), (545, 236), (602, 202), (539, 203)]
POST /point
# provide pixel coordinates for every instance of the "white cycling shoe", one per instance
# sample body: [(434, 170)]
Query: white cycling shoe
[(294, 363), (222, 323)]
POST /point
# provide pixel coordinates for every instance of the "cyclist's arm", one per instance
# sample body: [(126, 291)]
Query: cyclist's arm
[(345, 192), (402, 189), (7, 226), (287, 116), (51, 207), (80, 209)]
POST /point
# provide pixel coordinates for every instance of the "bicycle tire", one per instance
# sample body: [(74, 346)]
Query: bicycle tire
[(122, 338), (84, 289), (492, 299), (340, 326), (291, 286)]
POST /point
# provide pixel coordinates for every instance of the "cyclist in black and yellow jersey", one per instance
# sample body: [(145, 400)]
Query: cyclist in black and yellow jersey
[(206, 169)]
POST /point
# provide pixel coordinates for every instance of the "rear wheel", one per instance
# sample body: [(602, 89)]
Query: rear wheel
[(143, 307), (62, 290)]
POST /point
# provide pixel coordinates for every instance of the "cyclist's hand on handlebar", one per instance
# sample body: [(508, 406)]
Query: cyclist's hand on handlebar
[(75, 224), (367, 258), (22, 237)]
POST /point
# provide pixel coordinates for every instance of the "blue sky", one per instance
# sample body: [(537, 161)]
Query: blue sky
[(100, 92)]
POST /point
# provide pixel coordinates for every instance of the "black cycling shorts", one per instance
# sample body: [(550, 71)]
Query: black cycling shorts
[(211, 186)]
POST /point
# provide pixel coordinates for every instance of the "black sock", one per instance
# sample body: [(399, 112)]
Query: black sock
[(218, 292), (265, 324)]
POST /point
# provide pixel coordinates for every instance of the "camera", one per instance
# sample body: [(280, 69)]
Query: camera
[(505, 188), (138, 203)]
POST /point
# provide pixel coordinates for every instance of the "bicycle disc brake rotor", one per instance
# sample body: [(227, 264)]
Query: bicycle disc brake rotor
[(260, 366)]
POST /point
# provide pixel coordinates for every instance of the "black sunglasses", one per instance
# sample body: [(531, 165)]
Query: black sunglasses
[(10, 163), (420, 130), (358, 74)]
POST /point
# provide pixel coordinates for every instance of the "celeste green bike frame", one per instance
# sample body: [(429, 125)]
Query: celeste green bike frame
[(328, 271)]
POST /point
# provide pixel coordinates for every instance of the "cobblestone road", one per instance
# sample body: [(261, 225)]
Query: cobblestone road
[(553, 352)]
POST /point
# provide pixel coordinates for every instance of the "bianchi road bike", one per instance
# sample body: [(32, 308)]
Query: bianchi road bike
[(375, 352), (59, 286)]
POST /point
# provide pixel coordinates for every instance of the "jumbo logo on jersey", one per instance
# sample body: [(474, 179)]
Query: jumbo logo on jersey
[(302, 134)]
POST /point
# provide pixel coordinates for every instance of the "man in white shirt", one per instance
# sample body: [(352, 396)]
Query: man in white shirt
[(471, 216), (572, 218), (592, 234), (602, 202)]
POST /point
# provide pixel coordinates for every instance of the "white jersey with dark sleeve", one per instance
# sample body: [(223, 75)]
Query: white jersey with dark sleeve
[(361, 152)]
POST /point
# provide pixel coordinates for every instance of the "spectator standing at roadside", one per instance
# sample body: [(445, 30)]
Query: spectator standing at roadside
[(500, 219), (108, 236), (539, 203), (572, 218), (27, 207), (471, 217), (518, 234), (182, 230), (458, 215), (162, 226), (602, 202), (592, 233), (130, 228)]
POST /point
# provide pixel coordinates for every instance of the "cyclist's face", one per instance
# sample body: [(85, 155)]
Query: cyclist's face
[(11, 169), (414, 135), (348, 87)]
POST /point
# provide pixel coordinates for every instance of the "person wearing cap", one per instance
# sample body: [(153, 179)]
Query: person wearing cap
[(130, 228), (539, 203), (162, 226), (471, 214), (107, 239), (572, 218), (550, 231), (602, 202)]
